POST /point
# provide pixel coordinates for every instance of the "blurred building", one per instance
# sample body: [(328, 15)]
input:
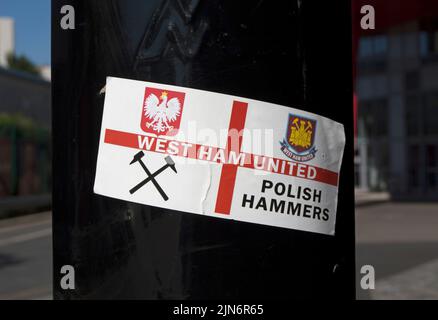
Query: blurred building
[(25, 102), (7, 39), (25, 94), (46, 72), (397, 99), (25, 151)]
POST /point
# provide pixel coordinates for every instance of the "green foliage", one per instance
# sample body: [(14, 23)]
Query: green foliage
[(22, 127), (22, 63)]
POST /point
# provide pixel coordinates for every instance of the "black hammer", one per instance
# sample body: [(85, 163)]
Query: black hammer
[(151, 177)]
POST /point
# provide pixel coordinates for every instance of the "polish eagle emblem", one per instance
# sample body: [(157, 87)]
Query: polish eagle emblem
[(160, 113)]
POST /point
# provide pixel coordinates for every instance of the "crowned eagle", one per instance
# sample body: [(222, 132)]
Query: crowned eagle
[(161, 113)]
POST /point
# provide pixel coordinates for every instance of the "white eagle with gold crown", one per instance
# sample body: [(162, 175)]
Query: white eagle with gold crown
[(161, 113)]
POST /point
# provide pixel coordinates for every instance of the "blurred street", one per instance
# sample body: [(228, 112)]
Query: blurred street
[(401, 241), (26, 257)]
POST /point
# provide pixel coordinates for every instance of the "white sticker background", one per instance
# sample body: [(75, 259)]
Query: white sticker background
[(194, 188)]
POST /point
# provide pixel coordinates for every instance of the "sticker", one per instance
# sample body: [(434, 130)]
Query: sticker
[(219, 155)]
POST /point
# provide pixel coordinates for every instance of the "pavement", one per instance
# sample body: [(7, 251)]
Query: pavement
[(365, 198), (400, 240), (26, 257)]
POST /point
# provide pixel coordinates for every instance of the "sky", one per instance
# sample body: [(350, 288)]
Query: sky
[(32, 27)]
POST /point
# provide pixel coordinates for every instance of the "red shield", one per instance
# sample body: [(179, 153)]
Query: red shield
[(161, 111)]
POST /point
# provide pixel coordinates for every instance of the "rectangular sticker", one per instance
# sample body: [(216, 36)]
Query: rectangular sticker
[(219, 155)]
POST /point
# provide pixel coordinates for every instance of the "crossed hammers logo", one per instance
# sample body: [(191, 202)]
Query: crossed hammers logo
[(151, 176)]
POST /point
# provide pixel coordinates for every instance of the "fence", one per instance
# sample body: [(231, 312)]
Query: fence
[(25, 157)]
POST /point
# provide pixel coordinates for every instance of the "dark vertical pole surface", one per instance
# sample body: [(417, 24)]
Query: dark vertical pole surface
[(295, 53)]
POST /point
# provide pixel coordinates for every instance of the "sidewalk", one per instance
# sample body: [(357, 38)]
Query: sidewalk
[(364, 198), (400, 240), (417, 283)]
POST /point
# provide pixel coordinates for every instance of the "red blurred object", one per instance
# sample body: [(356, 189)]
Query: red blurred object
[(388, 13)]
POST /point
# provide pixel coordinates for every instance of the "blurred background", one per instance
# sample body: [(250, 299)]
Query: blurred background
[(396, 149), (25, 150)]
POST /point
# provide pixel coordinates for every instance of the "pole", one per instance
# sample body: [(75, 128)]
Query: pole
[(294, 53)]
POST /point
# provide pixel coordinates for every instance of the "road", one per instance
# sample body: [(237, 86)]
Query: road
[(26, 257)]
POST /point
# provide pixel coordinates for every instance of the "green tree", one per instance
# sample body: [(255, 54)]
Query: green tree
[(22, 63)]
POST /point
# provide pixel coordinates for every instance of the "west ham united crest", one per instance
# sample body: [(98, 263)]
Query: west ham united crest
[(300, 137)]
